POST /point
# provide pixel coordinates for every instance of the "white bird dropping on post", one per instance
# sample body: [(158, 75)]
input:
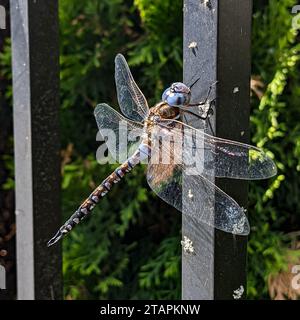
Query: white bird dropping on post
[(187, 245)]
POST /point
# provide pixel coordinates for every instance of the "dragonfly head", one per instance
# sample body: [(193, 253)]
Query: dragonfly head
[(177, 95)]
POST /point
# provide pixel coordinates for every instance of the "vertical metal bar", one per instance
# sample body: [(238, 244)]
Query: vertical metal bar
[(217, 47), (7, 221), (2, 17), (232, 122), (35, 63), (199, 60)]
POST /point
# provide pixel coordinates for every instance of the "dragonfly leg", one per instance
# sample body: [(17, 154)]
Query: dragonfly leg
[(209, 112), (201, 103), (210, 127), (184, 118)]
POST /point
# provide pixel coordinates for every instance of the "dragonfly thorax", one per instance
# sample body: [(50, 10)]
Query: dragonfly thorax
[(177, 95), (162, 110)]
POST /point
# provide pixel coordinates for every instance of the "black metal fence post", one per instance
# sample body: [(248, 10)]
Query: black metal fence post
[(217, 37), (35, 62), (7, 219)]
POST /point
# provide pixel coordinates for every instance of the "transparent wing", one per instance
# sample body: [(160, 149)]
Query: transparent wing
[(132, 102), (121, 135), (215, 156), (197, 197), (182, 160)]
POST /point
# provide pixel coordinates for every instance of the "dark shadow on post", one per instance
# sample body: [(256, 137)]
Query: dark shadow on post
[(232, 122)]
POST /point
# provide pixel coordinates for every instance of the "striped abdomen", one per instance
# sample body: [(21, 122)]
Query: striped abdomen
[(88, 205)]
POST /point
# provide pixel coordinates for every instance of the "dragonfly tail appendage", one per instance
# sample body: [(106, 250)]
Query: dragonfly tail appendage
[(88, 205), (55, 239)]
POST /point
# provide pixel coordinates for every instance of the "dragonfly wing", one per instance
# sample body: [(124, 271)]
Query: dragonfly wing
[(197, 197), (121, 135), (219, 157), (171, 177), (132, 102)]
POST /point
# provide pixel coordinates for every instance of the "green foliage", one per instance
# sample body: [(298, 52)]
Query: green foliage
[(162, 273), (130, 246), (274, 206), (5, 113)]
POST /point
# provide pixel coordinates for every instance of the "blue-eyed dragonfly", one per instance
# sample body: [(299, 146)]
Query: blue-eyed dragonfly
[(162, 133)]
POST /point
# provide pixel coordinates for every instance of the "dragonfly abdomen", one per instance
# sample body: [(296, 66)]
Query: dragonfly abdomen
[(88, 205)]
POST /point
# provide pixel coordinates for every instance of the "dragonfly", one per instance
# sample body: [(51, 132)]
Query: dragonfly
[(168, 145)]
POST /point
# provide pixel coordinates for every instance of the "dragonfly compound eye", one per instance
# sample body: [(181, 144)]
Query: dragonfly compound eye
[(177, 95)]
